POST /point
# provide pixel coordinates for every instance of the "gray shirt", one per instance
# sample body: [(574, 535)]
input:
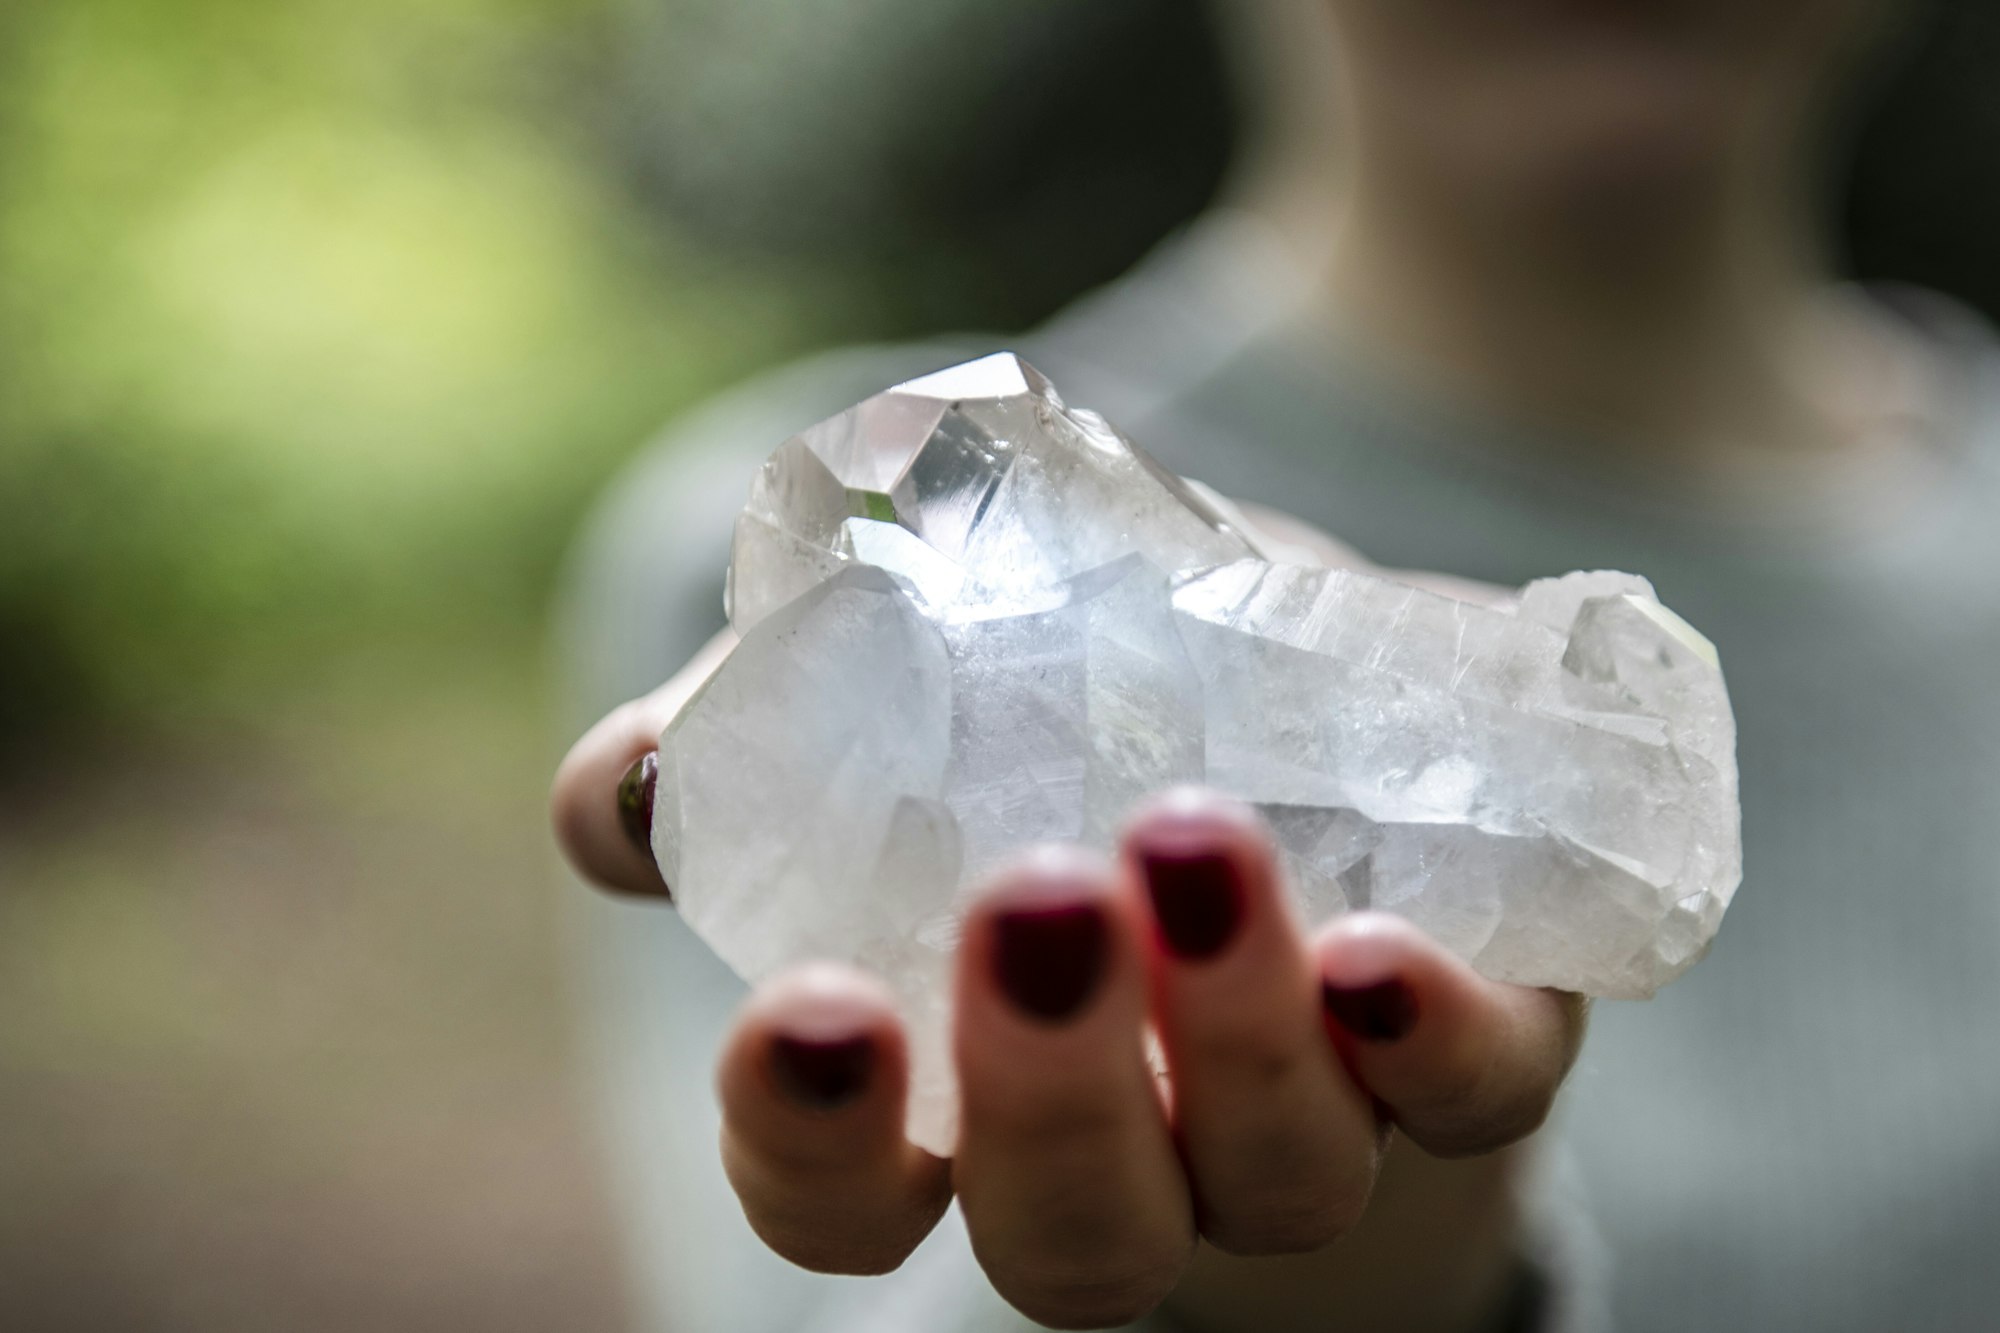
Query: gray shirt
[(1802, 1133)]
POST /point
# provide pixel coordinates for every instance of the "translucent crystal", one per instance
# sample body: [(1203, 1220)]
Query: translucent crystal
[(974, 619)]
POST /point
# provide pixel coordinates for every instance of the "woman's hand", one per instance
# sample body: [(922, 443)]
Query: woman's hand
[(1085, 1182)]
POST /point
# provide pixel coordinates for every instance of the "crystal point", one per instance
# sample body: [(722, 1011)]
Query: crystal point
[(974, 619)]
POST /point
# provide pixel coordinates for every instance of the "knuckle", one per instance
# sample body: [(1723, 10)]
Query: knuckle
[(1526, 1116), (1254, 1059), (1073, 1125), (1485, 1133), (800, 1167), (1475, 1127), (852, 1223), (836, 1255), (1493, 1097), (571, 819), (1294, 1230), (1074, 1246), (1293, 1211), (1080, 1218), (1102, 1290), (1282, 1161), (633, 722)]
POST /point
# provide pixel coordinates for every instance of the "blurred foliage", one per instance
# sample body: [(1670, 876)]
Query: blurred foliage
[(321, 322), (318, 322)]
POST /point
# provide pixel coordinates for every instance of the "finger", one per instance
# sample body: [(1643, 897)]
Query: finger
[(1075, 1201), (813, 1083), (1464, 1064), (1281, 1146), (602, 801)]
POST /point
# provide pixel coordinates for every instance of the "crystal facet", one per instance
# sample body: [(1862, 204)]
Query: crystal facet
[(974, 619)]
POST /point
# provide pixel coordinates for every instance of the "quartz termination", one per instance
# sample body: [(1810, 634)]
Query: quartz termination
[(974, 619)]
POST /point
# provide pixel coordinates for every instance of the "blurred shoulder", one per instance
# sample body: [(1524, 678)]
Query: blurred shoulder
[(1956, 386)]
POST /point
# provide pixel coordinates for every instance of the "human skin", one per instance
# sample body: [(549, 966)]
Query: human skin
[(1091, 1198), (1598, 220), (1588, 216)]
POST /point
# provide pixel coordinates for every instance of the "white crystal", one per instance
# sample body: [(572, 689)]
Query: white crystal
[(974, 619)]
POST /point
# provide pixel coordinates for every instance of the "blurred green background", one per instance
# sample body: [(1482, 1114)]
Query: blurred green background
[(320, 325), (328, 318)]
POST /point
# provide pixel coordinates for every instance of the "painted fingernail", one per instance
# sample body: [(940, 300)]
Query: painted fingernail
[(1049, 959), (822, 1075), (1382, 1012), (635, 799), (1197, 896)]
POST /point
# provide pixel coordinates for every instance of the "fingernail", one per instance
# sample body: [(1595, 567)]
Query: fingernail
[(1384, 1011), (635, 799), (1050, 959), (1197, 898), (822, 1075)]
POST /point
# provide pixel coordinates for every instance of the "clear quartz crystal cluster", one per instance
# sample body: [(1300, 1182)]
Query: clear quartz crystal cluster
[(974, 619)]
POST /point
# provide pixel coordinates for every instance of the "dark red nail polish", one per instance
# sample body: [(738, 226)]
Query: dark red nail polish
[(1383, 1012), (635, 799), (1197, 899), (822, 1075), (1049, 959)]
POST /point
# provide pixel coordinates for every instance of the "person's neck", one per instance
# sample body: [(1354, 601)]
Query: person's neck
[(1710, 337), (1682, 331)]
